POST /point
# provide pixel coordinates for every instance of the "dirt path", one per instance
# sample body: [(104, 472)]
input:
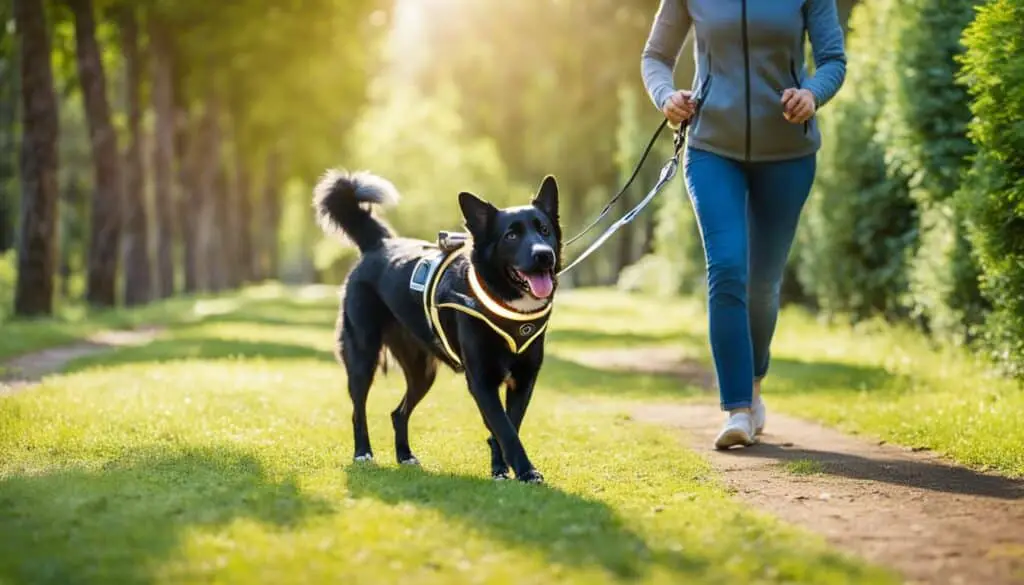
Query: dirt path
[(28, 369), (932, 521)]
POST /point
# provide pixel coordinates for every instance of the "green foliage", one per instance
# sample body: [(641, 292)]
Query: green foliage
[(678, 239), (924, 126), (993, 197), (653, 274), (8, 280), (859, 227), (420, 143)]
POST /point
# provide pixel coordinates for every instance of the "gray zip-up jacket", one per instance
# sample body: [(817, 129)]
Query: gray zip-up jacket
[(747, 52)]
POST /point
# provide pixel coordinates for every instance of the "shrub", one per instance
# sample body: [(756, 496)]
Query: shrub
[(992, 198), (860, 225), (924, 126)]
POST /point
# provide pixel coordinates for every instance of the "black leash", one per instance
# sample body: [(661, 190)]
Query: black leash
[(622, 191), (667, 172)]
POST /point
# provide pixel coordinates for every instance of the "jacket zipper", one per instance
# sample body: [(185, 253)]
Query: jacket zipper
[(746, 76), (702, 94), (796, 83)]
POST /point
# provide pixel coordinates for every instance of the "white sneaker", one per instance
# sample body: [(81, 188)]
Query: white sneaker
[(759, 414), (738, 430)]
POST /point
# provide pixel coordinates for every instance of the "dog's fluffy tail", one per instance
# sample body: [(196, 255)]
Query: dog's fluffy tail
[(338, 199)]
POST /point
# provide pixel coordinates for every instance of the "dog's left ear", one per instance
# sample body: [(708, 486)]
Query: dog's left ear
[(479, 214), (547, 198)]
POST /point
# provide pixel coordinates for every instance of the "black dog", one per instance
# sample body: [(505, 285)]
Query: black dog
[(481, 308)]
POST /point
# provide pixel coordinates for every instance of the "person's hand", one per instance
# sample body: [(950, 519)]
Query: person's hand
[(797, 105), (679, 107)]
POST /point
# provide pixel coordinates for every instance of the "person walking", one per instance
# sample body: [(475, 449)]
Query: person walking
[(749, 163)]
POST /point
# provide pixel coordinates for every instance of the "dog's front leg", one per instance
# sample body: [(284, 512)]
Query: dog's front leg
[(521, 381), (485, 391)]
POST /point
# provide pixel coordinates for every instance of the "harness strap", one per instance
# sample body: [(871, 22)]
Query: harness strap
[(430, 307), (519, 332)]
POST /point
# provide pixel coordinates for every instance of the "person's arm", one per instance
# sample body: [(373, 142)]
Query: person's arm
[(826, 36), (661, 51)]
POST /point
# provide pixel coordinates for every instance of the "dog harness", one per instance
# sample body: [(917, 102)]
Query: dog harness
[(436, 280)]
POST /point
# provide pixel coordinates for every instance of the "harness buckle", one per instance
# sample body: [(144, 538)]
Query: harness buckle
[(451, 241)]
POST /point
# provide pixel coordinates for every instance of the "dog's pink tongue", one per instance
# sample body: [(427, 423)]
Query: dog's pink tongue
[(541, 285)]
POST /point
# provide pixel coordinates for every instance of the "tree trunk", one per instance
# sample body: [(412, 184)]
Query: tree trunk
[(270, 216), (163, 155), (243, 212), (188, 145), (37, 244), (8, 132), (138, 270), (228, 223), (209, 221), (104, 238)]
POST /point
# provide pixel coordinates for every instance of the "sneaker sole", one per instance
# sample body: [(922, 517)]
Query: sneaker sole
[(732, 438)]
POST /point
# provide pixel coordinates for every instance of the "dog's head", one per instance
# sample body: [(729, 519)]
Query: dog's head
[(517, 251)]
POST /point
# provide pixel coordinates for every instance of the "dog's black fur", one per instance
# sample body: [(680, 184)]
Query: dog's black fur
[(379, 310)]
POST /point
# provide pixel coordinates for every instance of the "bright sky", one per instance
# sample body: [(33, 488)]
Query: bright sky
[(413, 19)]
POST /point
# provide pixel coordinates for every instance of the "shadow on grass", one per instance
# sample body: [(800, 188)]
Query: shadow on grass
[(200, 348), (917, 474), (112, 524), (568, 528)]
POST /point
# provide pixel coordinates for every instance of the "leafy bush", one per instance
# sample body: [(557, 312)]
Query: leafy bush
[(677, 239), (924, 127), (860, 225), (993, 197)]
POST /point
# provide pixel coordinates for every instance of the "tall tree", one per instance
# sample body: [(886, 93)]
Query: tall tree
[(37, 242), (8, 129), (105, 235), (270, 217), (244, 251), (190, 202), (138, 270), (161, 51)]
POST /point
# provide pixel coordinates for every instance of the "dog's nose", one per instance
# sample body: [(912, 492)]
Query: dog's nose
[(543, 257)]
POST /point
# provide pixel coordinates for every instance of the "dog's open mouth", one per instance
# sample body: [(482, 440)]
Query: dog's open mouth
[(538, 284)]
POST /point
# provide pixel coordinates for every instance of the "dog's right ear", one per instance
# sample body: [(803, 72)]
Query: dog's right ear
[(478, 213)]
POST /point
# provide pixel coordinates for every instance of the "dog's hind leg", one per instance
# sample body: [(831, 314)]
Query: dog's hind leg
[(361, 339), (420, 370)]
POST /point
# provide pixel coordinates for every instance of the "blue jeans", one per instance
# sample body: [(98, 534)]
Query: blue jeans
[(748, 215)]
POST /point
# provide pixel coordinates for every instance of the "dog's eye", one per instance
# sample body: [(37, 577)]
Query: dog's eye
[(511, 235), (540, 227)]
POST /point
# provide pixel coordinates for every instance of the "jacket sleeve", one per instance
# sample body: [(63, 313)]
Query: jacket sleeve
[(665, 41), (826, 36)]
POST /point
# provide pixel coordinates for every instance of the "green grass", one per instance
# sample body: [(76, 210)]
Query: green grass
[(75, 323), (877, 380), (803, 467), (221, 453), (890, 384)]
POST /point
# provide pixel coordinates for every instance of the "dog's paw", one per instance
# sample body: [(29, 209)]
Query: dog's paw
[(410, 460), (532, 476), (364, 458), (499, 475)]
